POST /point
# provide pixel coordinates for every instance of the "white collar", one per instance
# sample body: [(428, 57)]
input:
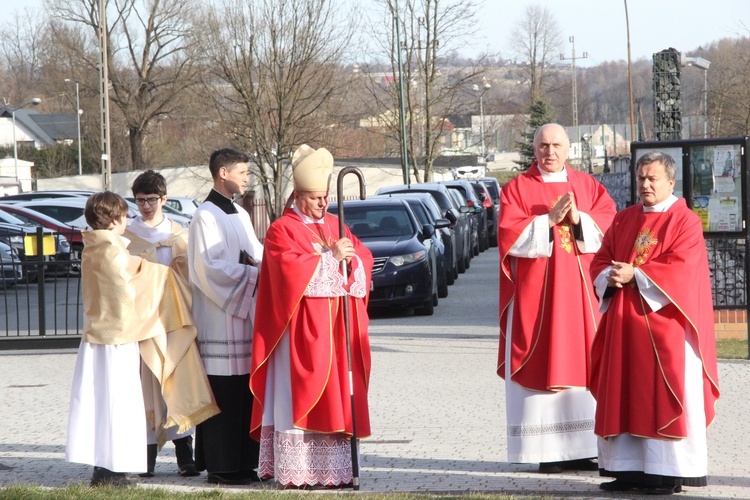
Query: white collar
[(306, 219), (662, 206), (560, 176)]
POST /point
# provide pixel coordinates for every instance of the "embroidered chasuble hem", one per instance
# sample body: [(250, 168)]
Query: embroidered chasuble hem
[(309, 458)]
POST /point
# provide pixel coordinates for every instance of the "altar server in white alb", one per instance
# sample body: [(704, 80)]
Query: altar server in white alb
[(133, 309), (224, 261), (157, 239)]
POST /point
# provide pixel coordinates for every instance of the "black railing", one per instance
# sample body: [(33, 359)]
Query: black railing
[(40, 295)]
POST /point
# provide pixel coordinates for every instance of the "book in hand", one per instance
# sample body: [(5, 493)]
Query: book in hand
[(246, 259)]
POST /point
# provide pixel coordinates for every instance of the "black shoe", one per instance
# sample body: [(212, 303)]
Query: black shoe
[(581, 464), (150, 461), (183, 450), (661, 490), (105, 477), (228, 478), (551, 467), (617, 485)]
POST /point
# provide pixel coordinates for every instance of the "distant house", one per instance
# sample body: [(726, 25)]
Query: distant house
[(37, 129), (32, 129), (614, 137)]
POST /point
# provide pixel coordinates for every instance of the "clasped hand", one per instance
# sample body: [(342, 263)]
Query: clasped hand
[(564, 208), (620, 274), (343, 249)]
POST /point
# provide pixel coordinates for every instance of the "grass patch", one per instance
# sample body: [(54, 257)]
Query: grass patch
[(106, 493), (731, 349)]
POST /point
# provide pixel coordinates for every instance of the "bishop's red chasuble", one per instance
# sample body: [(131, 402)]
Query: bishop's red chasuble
[(638, 356), (555, 311), (319, 372)]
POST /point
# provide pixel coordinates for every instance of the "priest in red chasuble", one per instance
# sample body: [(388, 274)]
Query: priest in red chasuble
[(552, 220), (654, 373), (299, 375)]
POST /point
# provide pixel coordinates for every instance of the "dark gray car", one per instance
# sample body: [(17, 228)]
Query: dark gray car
[(450, 210)]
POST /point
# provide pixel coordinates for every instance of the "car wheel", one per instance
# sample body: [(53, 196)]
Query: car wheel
[(443, 285), (475, 250), (427, 309), (450, 275), (493, 240), (461, 265), (468, 261)]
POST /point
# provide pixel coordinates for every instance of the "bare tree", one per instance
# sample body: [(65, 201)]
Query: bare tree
[(431, 33), (21, 49), (729, 93), (536, 42), (274, 74), (150, 64)]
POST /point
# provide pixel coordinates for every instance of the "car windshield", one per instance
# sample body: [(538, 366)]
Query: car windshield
[(11, 219), (379, 222), (492, 188)]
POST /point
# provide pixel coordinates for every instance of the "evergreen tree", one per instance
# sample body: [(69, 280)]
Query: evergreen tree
[(540, 112)]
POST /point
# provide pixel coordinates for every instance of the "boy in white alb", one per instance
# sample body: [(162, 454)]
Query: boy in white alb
[(157, 239)]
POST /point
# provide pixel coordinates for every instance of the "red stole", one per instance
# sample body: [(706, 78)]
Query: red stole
[(319, 371), (555, 308), (638, 356)]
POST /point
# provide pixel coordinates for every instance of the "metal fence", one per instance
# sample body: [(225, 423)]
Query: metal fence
[(40, 295)]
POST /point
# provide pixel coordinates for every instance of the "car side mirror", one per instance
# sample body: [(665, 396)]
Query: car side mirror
[(441, 223), (451, 215), (428, 230)]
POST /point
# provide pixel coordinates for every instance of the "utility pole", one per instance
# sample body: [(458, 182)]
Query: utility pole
[(573, 58), (104, 96), (630, 79), (402, 113)]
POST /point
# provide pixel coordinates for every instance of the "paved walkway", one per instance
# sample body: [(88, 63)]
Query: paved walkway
[(437, 412)]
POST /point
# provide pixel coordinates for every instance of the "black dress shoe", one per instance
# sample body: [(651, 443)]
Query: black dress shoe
[(183, 450), (617, 485), (551, 467), (228, 478), (581, 464), (661, 490), (106, 477)]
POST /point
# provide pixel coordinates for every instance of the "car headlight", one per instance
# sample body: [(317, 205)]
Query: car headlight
[(402, 260)]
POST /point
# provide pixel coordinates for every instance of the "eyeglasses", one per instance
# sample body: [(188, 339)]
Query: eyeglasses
[(150, 201)]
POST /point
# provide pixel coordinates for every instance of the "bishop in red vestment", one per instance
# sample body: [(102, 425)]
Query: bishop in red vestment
[(552, 219), (654, 372), (299, 376)]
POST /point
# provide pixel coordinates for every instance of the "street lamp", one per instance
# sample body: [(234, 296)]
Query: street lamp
[(703, 64), (33, 102), (78, 121), (485, 87)]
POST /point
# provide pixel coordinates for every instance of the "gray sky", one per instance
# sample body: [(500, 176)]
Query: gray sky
[(597, 25)]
